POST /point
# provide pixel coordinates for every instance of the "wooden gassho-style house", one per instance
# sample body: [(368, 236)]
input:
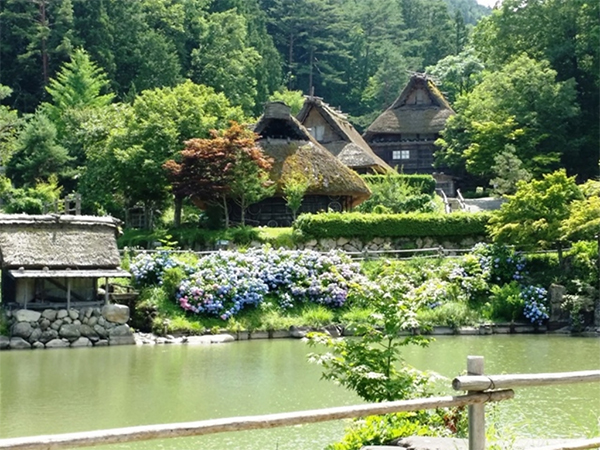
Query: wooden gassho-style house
[(56, 261), (332, 186), (404, 134), (333, 130)]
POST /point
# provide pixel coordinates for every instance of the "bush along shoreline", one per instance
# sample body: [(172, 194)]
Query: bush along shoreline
[(492, 289)]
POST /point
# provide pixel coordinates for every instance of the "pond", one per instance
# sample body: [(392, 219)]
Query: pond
[(68, 390)]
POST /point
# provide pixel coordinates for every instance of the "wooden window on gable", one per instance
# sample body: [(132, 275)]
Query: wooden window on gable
[(318, 131), (400, 154)]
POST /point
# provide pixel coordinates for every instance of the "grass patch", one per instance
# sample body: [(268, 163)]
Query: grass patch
[(194, 237), (279, 237), (355, 315), (454, 315)]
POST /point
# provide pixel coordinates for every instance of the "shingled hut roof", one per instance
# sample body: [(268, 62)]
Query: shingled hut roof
[(58, 242), (427, 115), (350, 147), (292, 148)]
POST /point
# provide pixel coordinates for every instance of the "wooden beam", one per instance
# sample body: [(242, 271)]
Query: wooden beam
[(163, 431), (576, 445), (68, 293), (106, 293), (482, 383)]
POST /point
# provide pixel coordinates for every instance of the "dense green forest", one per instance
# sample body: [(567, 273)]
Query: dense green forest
[(96, 96)]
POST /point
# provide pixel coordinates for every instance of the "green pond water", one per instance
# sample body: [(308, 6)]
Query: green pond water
[(68, 390)]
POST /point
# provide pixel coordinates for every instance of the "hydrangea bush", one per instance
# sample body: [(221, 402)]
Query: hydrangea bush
[(225, 282), (147, 269), (504, 267), (500, 263), (536, 304)]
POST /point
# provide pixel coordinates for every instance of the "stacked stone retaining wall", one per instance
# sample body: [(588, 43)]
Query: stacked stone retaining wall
[(59, 328), (378, 244)]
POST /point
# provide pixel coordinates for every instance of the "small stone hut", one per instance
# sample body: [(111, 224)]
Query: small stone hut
[(332, 185), (404, 134), (332, 130), (53, 261)]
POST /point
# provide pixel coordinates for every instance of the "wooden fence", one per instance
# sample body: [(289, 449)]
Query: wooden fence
[(481, 389), (430, 252)]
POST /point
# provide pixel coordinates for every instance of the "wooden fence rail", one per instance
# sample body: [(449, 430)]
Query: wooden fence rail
[(481, 389), (576, 445), (140, 433), (484, 383), (430, 252)]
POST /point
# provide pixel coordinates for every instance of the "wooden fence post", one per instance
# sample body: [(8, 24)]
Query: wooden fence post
[(476, 412)]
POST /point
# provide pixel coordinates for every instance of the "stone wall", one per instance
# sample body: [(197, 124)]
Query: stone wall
[(378, 244), (61, 328), (385, 244)]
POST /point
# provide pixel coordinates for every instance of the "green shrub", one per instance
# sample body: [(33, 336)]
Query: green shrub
[(4, 329), (480, 192), (243, 235), (366, 226), (582, 262), (580, 305), (394, 194), (506, 303), (425, 184), (544, 269), (381, 430), (172, 278), (132, 237)]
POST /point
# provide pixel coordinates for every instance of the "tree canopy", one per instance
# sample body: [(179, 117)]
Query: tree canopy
[(150, 132), (227, 166), (533, 216), (522, 105)]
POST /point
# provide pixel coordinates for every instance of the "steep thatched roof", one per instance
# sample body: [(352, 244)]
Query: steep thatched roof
[(58, 242), (348, 146), (293, 149), (420, 109)]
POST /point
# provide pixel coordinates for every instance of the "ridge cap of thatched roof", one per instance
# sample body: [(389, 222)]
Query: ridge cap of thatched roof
[(35, 219), (342, 126)]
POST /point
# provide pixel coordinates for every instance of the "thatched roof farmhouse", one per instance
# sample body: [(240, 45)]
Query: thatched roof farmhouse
[(52, 260), (332, 130), (332, 185), (404, 134)]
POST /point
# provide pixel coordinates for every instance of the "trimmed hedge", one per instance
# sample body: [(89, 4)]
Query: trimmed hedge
[(426, 183), (367, 226)]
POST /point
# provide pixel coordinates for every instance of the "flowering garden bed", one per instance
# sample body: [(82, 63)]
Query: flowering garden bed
[(223, 289)]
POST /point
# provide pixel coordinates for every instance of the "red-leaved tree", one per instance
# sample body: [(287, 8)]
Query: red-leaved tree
[(228, 166)]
